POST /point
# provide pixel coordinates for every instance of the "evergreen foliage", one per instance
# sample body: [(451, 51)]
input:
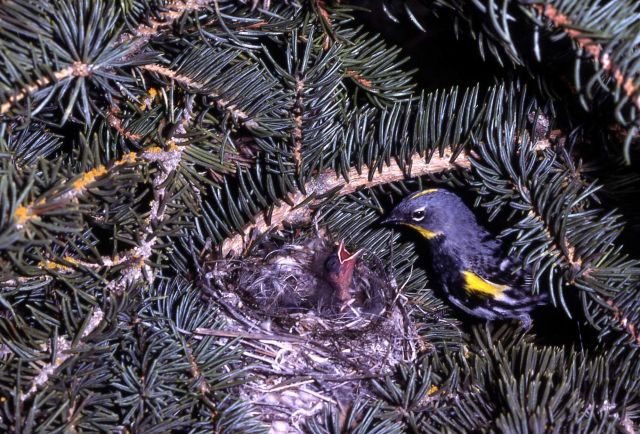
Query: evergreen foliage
[(138, 139)]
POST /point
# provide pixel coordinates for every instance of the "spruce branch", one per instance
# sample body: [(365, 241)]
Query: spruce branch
[(313, 79), (132, 265), (626, 80), (237, 84), (28, 145), (169, 14), (76, 60), (116, 123), (76, 70), (376, 68), (189, 83), (298, 112), (137, 258), (325, 20), (64, 350), (134, 260), (607, 33), (164, 355), (298, 207), (550, 194), (172, 11), (68, 192)]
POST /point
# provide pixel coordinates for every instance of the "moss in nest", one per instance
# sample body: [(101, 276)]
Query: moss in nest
[(307, 347)]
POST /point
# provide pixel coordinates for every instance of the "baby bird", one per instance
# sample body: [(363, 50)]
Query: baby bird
[(338, 271), (468, 261)]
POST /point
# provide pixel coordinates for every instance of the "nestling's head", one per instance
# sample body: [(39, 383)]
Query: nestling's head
[(433, 213)]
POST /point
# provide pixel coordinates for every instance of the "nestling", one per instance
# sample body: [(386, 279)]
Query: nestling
[(469, 263), (338, 269)]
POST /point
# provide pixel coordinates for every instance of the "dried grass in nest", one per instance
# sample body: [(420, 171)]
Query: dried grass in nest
[(305, 350)]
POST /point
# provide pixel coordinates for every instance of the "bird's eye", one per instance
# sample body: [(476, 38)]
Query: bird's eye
[(417, 215)]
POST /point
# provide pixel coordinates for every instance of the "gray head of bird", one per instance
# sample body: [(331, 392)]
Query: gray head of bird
[(435, 213)]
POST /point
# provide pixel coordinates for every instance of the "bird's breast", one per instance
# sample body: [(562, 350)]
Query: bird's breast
[(445, 263)]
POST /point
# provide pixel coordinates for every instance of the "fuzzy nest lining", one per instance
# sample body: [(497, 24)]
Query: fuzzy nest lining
[(306, 350)]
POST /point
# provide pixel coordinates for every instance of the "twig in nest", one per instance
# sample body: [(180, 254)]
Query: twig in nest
[(286, 386), (245, 335)]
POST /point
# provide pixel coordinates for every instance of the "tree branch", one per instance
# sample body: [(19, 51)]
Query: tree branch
[(64, 351), (39, 84), (190, 83), (142, 34), (329, 181), (597, 52)]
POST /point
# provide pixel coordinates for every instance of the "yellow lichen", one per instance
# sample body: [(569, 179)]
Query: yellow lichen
[(433, 389), (172, 147), (22, 214), (153, 150), (56, 266), (89, 177), (71, 260), (129, 158), (50, 265), (151, 95)]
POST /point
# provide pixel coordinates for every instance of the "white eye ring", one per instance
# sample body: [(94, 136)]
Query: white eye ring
[(418, 215)]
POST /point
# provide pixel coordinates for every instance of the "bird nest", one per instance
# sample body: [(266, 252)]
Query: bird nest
[(308, 349)]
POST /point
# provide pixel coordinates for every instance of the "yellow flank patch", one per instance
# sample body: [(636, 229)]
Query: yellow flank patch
[(476, 284), (426, 233), (424, 192)]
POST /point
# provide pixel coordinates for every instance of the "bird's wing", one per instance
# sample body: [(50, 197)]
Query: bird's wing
[(507, 283), (502, 270)]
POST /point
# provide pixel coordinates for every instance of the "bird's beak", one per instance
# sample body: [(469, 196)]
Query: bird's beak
[(345, 256)]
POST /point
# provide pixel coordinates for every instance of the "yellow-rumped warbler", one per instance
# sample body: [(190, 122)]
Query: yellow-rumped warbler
[(469, 263)]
